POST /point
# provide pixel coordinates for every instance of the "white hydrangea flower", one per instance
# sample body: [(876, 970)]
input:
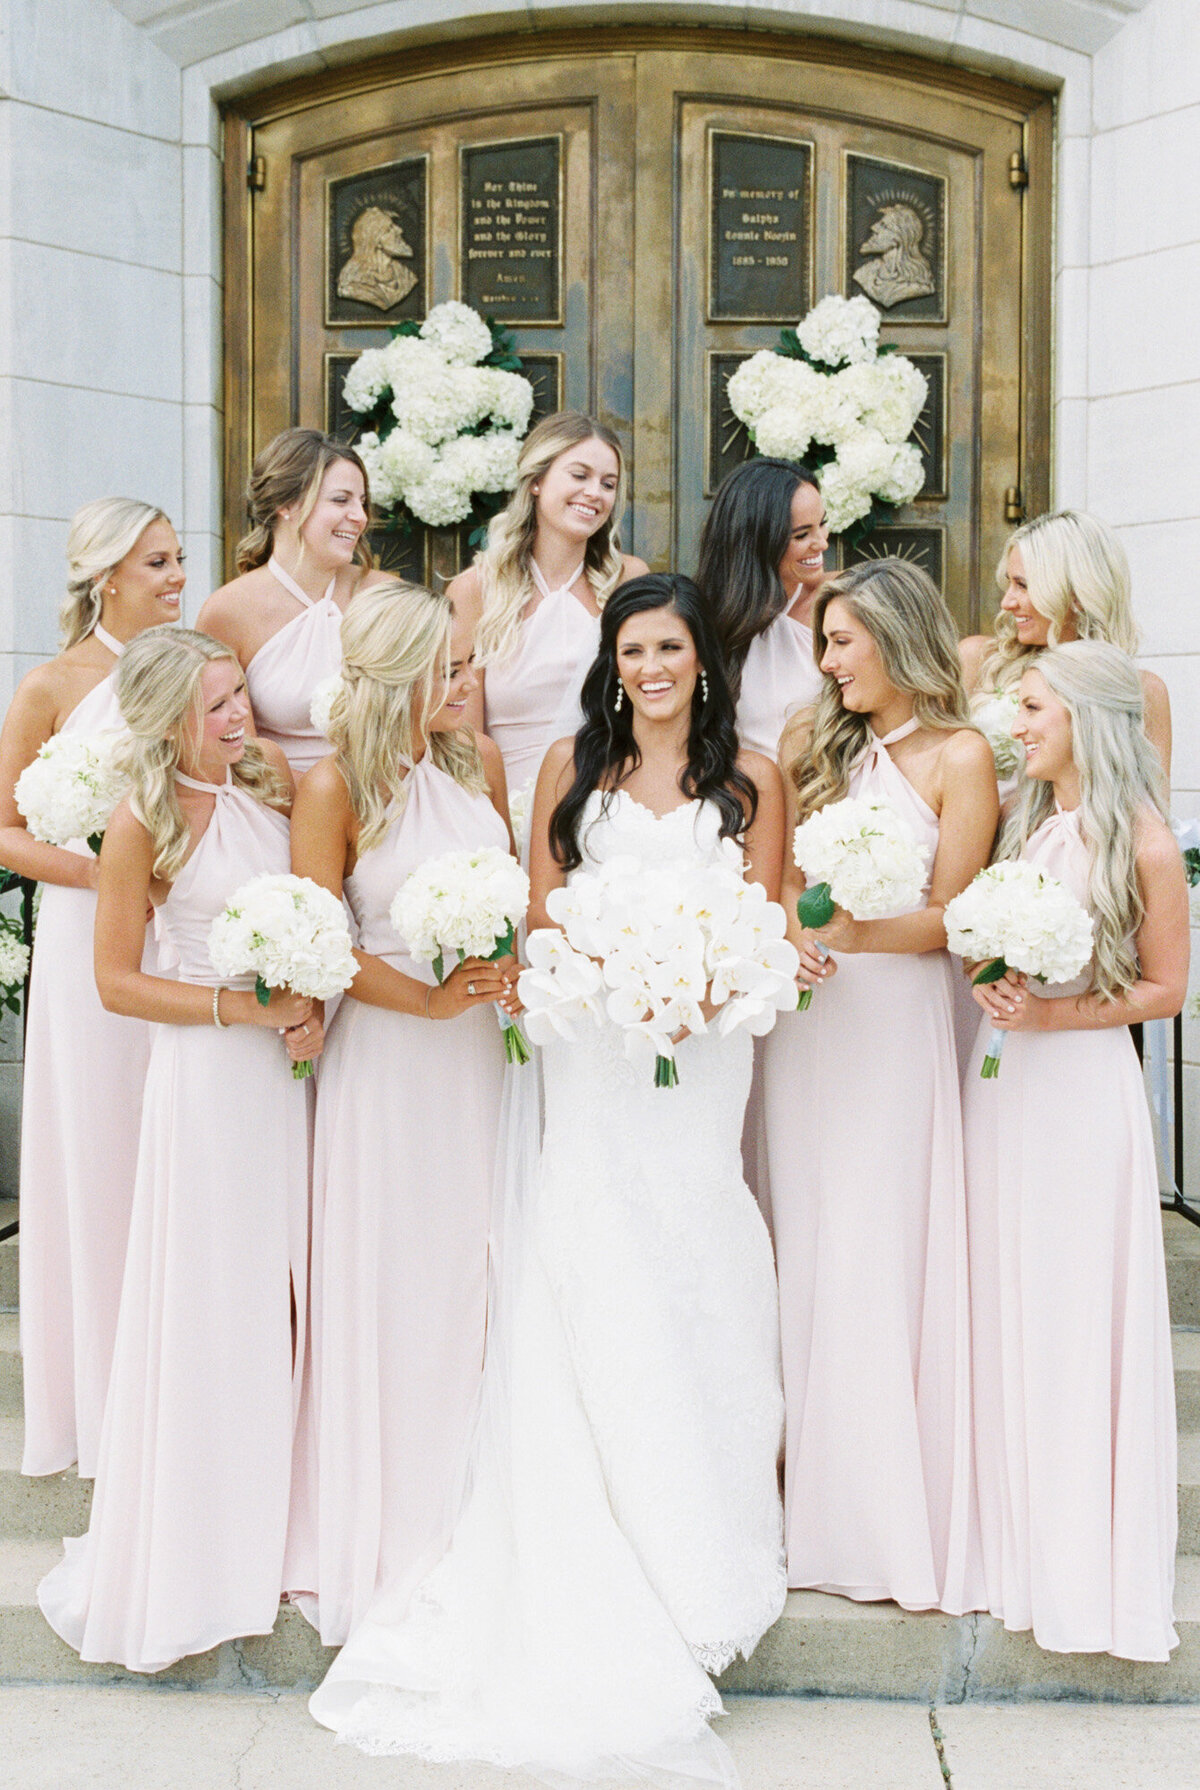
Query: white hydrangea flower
[(766, 381), (439, 499), (69, 789), (785, 431), (1015, 912), (14, 960), (905, 475), (839, 330), (870, 858), (367, 379), (458, 332), (887, 394), (412, 363), (510, 402), (845, 501), (288, 932), (994, 715), (386, 487), (321, 703)]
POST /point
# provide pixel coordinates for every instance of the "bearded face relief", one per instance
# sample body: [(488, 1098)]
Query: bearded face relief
[(901, 270), (375, 274)]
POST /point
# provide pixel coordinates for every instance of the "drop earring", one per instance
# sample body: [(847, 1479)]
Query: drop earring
[(620, 698), (704, 686)]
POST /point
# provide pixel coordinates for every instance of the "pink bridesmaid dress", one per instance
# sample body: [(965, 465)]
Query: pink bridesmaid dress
[(407, 1118), (189, 1515), (287, 668), (532, 696), (779, 678), (1073, 1380), (80, 1115), (864, 1143)]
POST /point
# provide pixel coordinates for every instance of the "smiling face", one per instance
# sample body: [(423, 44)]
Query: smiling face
[(1033, 628), (577, 491), (146, 587), (216, 737), (802, 568), (657, 664), (451, 697), (330, 532), (1043, 727), (853, 659)]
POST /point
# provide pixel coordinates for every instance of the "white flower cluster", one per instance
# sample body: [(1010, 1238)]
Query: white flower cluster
[(438, 392), (1015, 912), (69, 790), (665, 938), (865, 410), (994, 718), (520, 812), (14, 958), (870, 860), (321, 705), (288, 932), (462, 902)]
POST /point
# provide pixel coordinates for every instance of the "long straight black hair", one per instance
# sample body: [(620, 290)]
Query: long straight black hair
[(745, 537), (606, 752)]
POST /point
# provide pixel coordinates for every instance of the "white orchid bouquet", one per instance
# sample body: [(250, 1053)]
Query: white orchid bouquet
[(469, 904), (14, 963), (994, 717), (445, 409), (69, 789), (859, 856), (520, 812), (320, 704), (1015, 917), (646, 946), (287, 932), (830, 396)]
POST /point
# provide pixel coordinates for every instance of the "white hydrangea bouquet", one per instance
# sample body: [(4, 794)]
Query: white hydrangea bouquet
[(994, 717), (468, 903), (14, 963), (1015, 917), (830, 396), (645, 946), (859, 856), (287, 932), (444, 409), (69, 790)]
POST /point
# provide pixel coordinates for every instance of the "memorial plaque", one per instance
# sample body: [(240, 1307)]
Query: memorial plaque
[(545, 374), (727, 436), (512, 230), (344, 424), (924, 547), (403, 555), (896, 239), (929, 431), (377, 245), (758, 251)]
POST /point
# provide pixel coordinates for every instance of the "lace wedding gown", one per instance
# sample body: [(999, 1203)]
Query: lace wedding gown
[(621, 1536)]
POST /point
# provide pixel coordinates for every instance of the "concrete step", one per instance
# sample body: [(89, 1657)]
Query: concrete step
[(1181, 1240), (9, 1259), (43, 1509), (820, 1646), (1186, 1347), (11, 1398)]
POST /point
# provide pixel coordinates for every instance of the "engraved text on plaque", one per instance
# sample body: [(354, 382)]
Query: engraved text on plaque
[(512, 228), (758, 229)]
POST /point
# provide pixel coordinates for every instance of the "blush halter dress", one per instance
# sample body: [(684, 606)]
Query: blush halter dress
[(287, 668), (779, 678), (532, 697), (80, 1116), (189, 1516)]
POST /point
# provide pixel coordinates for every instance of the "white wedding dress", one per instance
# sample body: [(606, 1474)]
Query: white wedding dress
[(621, 1536)]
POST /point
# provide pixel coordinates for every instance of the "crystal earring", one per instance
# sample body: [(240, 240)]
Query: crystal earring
[(620, 698), (704, 686)]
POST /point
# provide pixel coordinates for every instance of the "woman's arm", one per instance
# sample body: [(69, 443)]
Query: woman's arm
[(971, 653), (1157, 712), (30, 722), (764, 838), (497, 787), (545, 873)]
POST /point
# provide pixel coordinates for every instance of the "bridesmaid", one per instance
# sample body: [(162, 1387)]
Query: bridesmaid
[(1063, 576), (762, 562), (84, 1068), (304, 558), (189, 1516), (407, 1117), (1073, 1379), (863, 1122), (536, 592)]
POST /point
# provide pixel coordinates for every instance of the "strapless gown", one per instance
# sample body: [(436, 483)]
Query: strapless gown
[(532, 697), (622, 1536), (81, 1111), (189, 1516), (864, 1142), (408, 1112), (286, 669), (1075, 1438)]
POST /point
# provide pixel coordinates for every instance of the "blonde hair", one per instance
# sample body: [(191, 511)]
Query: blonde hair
[(907, 618), (158, 688), (395, 647), (504, 563), (1076, 570), (287, 474), (1119, 779), (101, 535)]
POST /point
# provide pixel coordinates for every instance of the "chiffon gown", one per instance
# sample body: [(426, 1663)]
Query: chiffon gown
[(407, 1118), (779, 677), (865, 1155), (286, 669), (622, 1535), (189, 1514), (1073, 1380), (966, 1011), (80, 1115), (532, 697)]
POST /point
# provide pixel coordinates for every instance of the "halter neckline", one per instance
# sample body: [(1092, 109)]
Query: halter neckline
[(897, 733), (539, 579), (109, 640), (208, 789), (289, 584)]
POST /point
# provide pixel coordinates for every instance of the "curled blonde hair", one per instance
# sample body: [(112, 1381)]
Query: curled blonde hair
[(504, 563), (1076, 570), (1119, 779), (287, 474), (907, 618), (101, 535), (158, 689), (395, 649)]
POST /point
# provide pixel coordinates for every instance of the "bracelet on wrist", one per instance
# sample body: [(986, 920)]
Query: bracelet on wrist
[(216, 1009), (428, 998)]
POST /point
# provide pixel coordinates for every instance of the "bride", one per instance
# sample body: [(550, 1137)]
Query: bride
[(621, 1535)]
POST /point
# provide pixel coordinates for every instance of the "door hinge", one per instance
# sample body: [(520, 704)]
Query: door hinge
[(1014, 504), (256, 173), (1018, 171)]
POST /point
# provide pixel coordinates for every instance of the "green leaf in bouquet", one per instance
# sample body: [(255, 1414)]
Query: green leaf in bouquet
[(439, 967), (995, 971), (95, 841), (407, 328), (665, 1073), (815, 907), (504, 946), (262, 992)]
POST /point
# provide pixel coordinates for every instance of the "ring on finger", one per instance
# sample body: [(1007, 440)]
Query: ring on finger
[(470, 988)]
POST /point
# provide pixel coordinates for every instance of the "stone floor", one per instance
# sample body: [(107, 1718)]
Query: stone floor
[(134, 1738)]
